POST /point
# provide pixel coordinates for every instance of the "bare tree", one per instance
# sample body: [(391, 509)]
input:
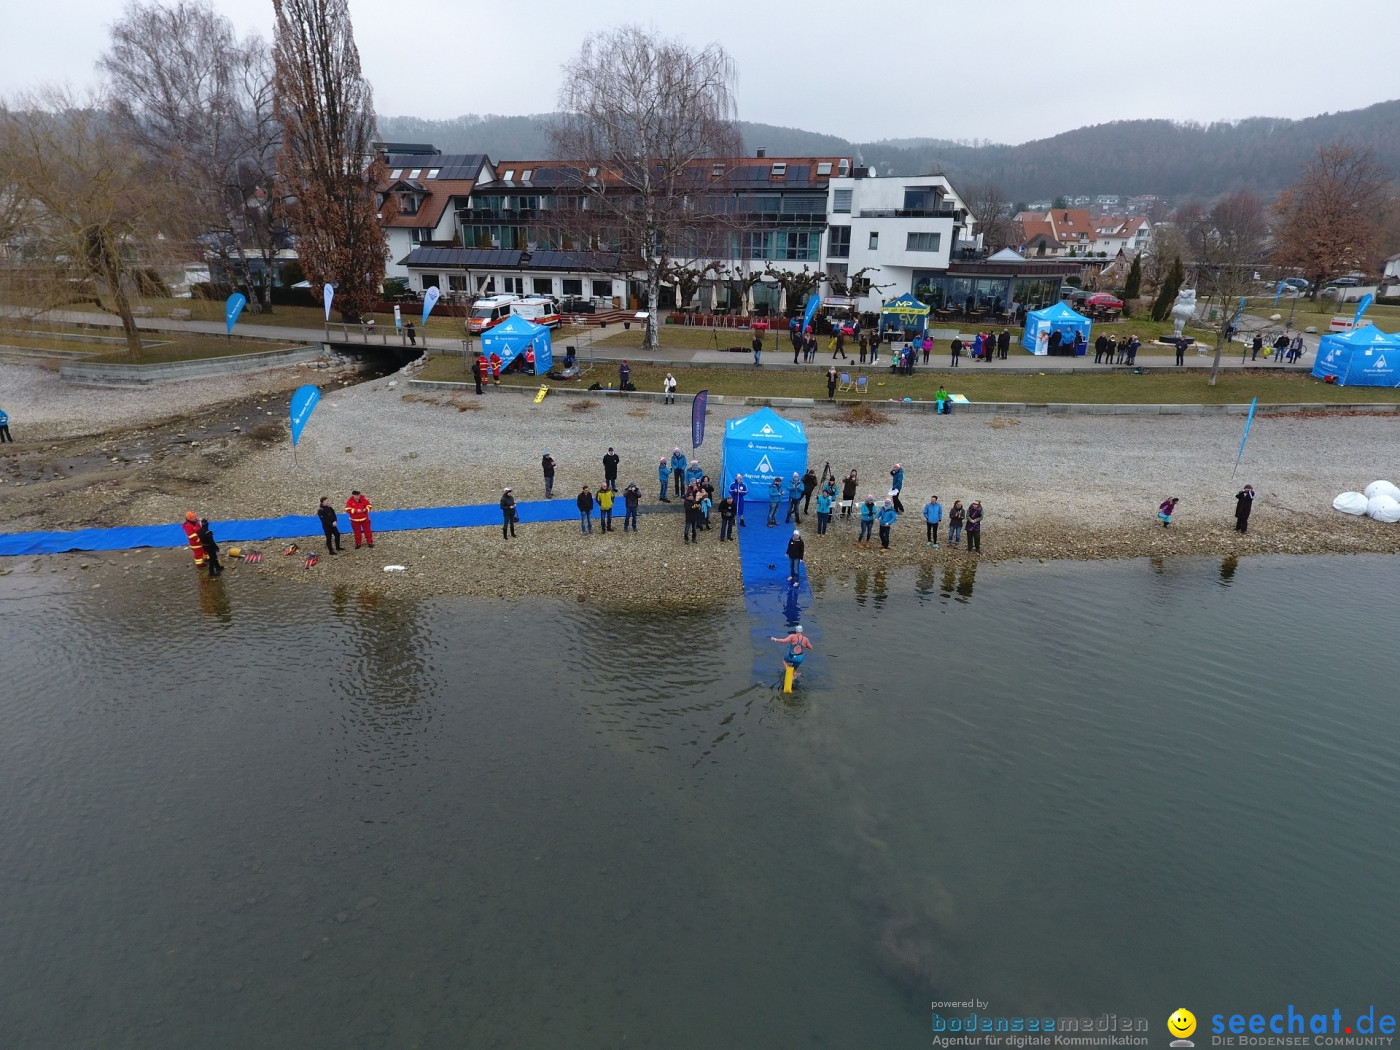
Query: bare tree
[(797, 285), (688, 276), (995, 219), (327, 159), (198, 103), (95, 222), (1226, 243), (1330, 219), (1165, 245), (638, 112)]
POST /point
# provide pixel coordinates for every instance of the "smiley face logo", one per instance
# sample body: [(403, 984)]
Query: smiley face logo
[(1181, 1024)]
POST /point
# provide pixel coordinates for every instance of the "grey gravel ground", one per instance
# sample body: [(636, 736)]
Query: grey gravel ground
[(1051, 486)]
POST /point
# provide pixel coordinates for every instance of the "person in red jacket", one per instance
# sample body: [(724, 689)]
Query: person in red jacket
[(191, 527), (358, 508), (483, 370)]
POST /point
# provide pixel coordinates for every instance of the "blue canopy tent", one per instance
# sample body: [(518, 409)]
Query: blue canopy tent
[(1362, 357), (762, 447), (1058, 318), (903, 313), (513, 337)]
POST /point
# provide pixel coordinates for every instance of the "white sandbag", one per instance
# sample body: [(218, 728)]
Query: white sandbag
[(1383, 508), (1350, 503), (1381, 488)]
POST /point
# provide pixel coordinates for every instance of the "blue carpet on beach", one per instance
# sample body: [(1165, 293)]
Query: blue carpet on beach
[(292, 526), (775, 606)]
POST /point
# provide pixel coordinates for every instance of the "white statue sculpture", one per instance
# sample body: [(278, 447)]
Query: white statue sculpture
[(1183, 309)]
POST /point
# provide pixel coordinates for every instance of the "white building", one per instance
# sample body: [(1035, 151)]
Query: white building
[(882, 232)]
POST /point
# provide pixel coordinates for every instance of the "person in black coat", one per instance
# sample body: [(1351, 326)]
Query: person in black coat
[(508, 517), (1244, 503), (211, 549), (1003, 343), (796, 550), (328, 525), (610, 469)]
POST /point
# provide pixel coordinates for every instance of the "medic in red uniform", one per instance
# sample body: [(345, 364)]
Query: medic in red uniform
[(191, 527), (358, 508)]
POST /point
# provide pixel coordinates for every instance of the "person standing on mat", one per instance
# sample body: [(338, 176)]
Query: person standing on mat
[(605, 504), (737, 491), (508, 516), (329, 525), (358, 507), (610, 469), (631, 497), (775, 500), (796, 551)]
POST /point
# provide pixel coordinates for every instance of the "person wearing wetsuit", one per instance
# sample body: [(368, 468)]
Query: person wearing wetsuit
[(328, 524)]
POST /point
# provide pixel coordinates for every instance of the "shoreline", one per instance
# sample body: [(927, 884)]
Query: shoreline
[(1055, 487)]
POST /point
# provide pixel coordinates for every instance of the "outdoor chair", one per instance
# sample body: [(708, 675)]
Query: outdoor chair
[(845, 383), (862, 383)]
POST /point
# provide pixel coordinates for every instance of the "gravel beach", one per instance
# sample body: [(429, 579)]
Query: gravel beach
[(1063, 486)]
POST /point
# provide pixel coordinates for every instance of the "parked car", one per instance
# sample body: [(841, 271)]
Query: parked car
[(1103, 301), (1297, 284)]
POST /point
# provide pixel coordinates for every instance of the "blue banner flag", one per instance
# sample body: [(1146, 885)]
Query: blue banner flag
[(232, 308), (327, 295), (697, 418), (1281, 286), (1252, 405), (810, 313), (1361, 308), (430, 298), (303, 401)]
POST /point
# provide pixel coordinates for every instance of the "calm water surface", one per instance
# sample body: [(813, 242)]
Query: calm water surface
[(255, 814)]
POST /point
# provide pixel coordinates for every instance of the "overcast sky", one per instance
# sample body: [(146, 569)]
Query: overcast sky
[(1003, 70)]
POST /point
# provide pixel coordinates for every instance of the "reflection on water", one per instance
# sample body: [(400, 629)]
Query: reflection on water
[(251, 813), (1228, 565)]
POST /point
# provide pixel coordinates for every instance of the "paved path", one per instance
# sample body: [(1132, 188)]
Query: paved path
[(1018, 360)]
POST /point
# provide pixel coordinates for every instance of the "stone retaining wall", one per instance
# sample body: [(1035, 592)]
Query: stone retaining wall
[(96, 373), (997, 408)]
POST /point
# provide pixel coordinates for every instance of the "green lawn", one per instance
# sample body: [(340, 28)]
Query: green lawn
[(109, 346), (1154, 387), (1320, 313)]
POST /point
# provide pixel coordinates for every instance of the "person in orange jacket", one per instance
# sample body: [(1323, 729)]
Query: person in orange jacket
[(358, 507), (191, 527)]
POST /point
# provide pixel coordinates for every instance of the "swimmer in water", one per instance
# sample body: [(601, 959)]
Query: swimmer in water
[(796, 642)]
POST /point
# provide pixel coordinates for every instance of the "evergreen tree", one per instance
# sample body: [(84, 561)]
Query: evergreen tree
[(1132, 287), (1176, 277)]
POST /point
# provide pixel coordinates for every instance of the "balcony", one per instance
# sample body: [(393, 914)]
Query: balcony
[(904, 213)]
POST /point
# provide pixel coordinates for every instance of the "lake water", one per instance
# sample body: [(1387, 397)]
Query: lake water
[(257, 814)]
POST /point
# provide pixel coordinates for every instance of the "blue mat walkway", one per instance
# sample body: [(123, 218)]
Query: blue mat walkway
[(775, 606), (292, 526)]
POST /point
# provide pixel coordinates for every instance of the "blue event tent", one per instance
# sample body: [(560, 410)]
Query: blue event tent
[(762, 447), (904, 313), (513, 336), (1363, 357), (1058, 318)]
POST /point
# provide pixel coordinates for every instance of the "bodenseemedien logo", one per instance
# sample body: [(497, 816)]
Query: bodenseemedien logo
[(1181, 1024)]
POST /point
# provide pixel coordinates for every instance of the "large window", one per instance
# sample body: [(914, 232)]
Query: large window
[(543, 285), (841, 201), (456, 282), (922, 242), (602, 289), (874, 240), (515, 284), (573, 286), (430, 280), (799, 245), (839, 242)]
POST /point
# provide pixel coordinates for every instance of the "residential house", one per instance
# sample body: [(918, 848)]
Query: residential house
[(1063, 231), (418, 203), (1118, 233)]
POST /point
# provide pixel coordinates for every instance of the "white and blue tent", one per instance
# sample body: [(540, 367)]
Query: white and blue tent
[(762, 447), (1362, 357), (1058, 318), (515, 336)]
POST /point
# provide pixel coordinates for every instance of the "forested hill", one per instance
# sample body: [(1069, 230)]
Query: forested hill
[(1125, 157)]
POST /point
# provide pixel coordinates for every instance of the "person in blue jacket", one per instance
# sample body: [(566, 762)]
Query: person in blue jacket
[(5, 427), (897, 486), (775, 499), (693, 473), (867, 521), (663, 475), (794, 495), (888, 516), (933, 514), (823, 510), (678, 472), (737, 491)]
